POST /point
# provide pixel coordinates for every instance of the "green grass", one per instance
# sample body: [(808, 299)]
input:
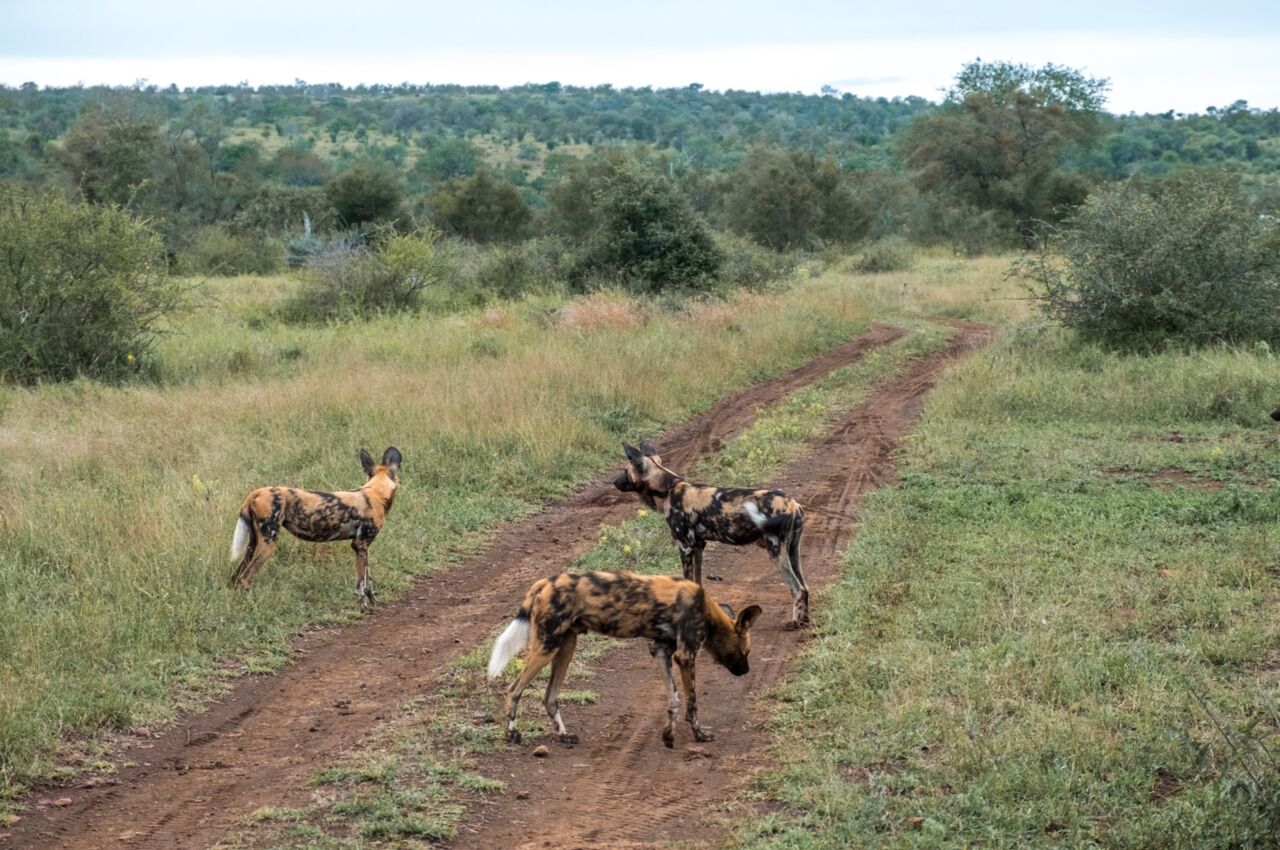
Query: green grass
[(465, 696), (1036, 642), (400, 786), (116, 503)]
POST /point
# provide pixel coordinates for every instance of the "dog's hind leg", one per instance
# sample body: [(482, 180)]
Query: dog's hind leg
[(559, 666), (673, 701), (801, 601), (790, 575), (538, 659)]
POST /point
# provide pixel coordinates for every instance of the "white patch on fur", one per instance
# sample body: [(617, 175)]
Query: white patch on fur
[(509, 644), (240, 541), (754, 514)]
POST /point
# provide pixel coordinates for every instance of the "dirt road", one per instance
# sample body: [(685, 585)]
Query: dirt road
[(620, 788), (256, 746)]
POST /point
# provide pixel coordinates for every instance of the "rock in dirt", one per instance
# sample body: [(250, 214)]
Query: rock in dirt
[(541, 751)]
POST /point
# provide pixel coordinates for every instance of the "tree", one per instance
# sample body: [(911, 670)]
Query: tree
[(637, 227), (481, 208), (82, 288), (443, 159), (1183, 261), (113, 158), (794, 199), (365, 195), (999, 140)]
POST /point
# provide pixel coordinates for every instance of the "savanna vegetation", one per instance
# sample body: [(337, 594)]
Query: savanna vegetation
[(1057, 629)]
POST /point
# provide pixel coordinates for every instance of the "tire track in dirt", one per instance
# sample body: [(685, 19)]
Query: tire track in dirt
[(256, 746), (620, 788)]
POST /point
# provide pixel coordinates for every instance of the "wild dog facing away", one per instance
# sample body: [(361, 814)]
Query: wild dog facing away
[(676, 615), (698, 513), (318, 517)]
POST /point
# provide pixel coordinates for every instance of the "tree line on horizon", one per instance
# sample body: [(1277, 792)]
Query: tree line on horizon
[(226, 173)]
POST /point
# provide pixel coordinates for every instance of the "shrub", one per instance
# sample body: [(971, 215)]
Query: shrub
[(360, 281), (533, 266), (215, 251), (886, 255), (750, 265), (639, 230), (82, 288), (1183, 262), (481, 208), (365, 195), (795, 199)]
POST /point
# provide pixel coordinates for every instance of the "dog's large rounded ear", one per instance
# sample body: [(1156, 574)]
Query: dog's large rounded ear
[(648, 448), (633, 454), (747, 618), (366, 463), (391, 457), (727, 609)]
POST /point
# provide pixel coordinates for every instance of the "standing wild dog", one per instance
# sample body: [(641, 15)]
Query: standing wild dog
[(355, 515), (676, 615), (698, 513)]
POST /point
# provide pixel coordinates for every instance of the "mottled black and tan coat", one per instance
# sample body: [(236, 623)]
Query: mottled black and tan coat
[(701, 513), (676, 615), (318, 517)]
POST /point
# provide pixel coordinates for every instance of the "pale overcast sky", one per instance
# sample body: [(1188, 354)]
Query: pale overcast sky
[(1175, 54)]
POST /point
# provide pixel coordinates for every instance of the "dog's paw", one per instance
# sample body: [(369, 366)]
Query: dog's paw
[(513, 736), (714, 577), (568, 738)]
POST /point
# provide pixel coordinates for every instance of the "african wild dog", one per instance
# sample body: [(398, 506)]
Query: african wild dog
[(1275, 414), (676, 615), (355, 515), (698, 513)]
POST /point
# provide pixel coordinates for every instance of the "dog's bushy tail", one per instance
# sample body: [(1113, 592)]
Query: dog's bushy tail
[(509, 643), (240, 540), (780, 525)]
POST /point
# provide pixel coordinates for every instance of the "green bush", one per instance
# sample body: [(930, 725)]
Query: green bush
[(82, 288), (481, 208), (886, 255), (795, 199), (750, 265), (536, 265), (1184, 261), (365, 195), (639, 230), (214, 251), (361, 281)]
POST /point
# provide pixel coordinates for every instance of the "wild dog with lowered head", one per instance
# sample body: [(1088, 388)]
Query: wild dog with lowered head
[(317, 517), (698, 513), (676, 615)]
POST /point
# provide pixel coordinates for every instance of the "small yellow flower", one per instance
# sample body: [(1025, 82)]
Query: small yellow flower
[(642, 513), (1217, 452), (626, 550), (129, 357)]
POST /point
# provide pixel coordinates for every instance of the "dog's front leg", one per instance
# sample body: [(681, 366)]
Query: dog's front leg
[(364, 584), (685, 662)]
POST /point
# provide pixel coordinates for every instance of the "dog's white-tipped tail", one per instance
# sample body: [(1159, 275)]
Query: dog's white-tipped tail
[(753, 512), (240, 541), (509, 644)]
